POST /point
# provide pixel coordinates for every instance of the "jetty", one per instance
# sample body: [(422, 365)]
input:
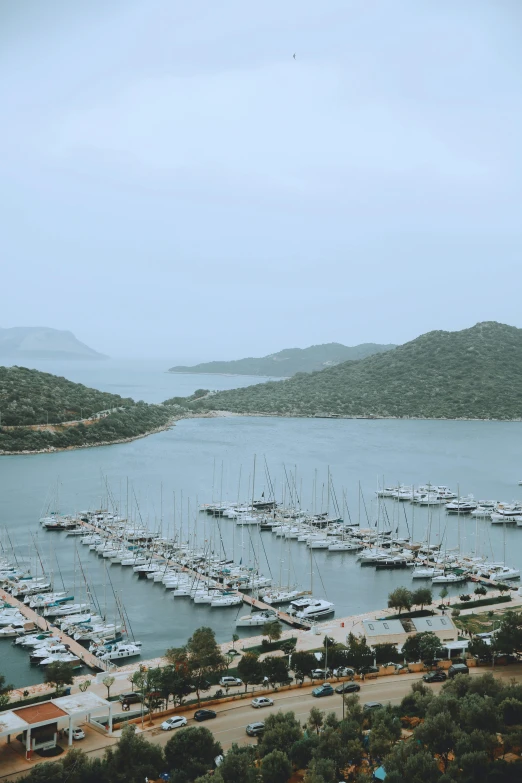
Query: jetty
[(75, 647), (255, 603)]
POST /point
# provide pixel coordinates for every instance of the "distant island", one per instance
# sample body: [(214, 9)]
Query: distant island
[(43, 412), (41, 342), (290, 361), (475, 373)]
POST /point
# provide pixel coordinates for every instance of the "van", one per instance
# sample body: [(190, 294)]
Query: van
[(457, 668)]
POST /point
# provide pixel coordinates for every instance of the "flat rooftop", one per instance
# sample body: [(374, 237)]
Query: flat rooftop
[(38, 713)]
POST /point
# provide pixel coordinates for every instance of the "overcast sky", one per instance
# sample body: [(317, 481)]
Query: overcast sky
[(174, 183)]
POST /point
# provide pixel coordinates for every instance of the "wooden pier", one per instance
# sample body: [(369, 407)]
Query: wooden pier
[(255, 603), (41, 622)]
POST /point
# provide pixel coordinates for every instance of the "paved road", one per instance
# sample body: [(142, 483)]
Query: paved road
[(233, 717)]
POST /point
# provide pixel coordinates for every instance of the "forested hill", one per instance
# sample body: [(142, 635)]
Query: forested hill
[(289, 361), (42, 411), (475, 373)]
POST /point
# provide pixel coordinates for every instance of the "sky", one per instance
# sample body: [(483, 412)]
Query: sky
[(174, 183)]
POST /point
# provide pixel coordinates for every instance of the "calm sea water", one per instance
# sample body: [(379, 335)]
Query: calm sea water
[(171, 473)]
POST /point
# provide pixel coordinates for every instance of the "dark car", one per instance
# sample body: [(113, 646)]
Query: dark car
[(323, 690), (457, 668), (200, 715), (368, 670), (255, 729), (130, 698), (439, 676), (372, 705), (348, 687)]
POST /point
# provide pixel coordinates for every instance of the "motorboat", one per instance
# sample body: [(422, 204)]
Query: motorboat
[(462, 506), (426, 572), (501, 573), (256, 619), (117, 651), (318, 608), (450, 579), (60, 658)]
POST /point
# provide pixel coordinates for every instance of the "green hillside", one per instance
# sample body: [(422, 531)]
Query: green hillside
[(475, 373), (30, 400), (289, 361)]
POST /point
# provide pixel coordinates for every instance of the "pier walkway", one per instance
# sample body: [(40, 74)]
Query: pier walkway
[(41, 622), (255, 603)]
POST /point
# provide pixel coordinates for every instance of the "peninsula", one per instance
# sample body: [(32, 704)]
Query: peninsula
[(290, 361), (43, 412), (475, 373)]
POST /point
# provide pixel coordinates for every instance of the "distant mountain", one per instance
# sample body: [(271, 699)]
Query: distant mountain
[(40, 342), (475, 373), (286, 363)]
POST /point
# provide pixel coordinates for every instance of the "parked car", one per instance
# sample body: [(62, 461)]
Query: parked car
[(439, 676), (505, 660), (200, 715), (368, 670), (130, 698), (228, 681), (262, 701), (255, 729), (457, 668), (372, 705), (344, 671), (323, 690), (174, 723), (321, 674), (398, 666), (78, 734), (348, 687)]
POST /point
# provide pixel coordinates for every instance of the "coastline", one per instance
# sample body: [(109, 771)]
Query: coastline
[(229, 414)]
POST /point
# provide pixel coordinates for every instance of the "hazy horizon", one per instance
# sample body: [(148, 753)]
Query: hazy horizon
[(176, 184)]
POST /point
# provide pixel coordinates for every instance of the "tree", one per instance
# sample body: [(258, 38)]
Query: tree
[(385, 652), (282, 729), (148, 682), (235, 638), (315, 719), (508, 636), (133, 758), (430, 646), (503, 588), (422, 596), (443, 593), (480, 590), (275, 767), (175, 682), (321, 771), (59, 674), (109, 682), (438, 734), (400, 598), (204, 657), (85, 685), (275, 669), (238, 765), (192, 751), (480, 649), (302, 751), (303, 664), (4, 692), (465, 597), (273, 629), (359, 653), (250, 669)]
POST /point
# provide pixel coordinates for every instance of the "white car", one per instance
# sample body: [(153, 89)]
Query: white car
[(224, 681), (262, 701), (174, 723), (78, 734)]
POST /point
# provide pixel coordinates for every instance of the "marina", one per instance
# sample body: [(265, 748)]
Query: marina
[(202, 462)]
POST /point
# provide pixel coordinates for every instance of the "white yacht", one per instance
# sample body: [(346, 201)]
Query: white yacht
[(462, 506), (426, 572), (500, 573), (226, 600), (256, 619), (281, 596), (318, 608), (60, 657), (117, 651), (449, 579)]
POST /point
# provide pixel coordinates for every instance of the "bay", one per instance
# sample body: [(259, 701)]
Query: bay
[(203, 459)]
